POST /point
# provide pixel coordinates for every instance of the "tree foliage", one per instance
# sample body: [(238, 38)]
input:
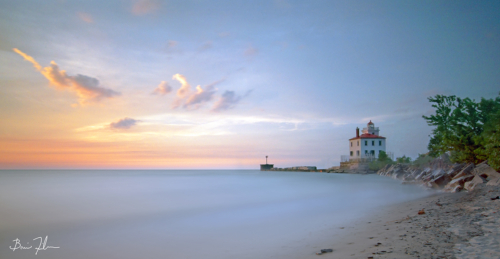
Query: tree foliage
[(382, 160), (403, 160), (464, 128)]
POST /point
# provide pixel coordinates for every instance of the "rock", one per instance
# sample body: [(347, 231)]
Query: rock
[(326, 250), (495, 198), (485, 171), (477, 180), (420, 175), (456, 168), (420, 212), (440, 181), (494, 182), (465, 171), (456, 189), (451, 186)]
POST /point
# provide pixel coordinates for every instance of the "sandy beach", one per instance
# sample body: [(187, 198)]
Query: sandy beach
[(454, 225)]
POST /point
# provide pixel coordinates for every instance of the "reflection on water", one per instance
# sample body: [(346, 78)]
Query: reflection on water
[(182, 214)]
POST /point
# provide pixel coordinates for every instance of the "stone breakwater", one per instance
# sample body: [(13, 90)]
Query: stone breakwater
[(450, 178)]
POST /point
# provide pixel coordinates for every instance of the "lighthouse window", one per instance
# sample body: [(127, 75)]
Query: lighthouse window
[(366, 143), (358, 143), (380, 142), (357, 153), (351, 144), (373, 143)]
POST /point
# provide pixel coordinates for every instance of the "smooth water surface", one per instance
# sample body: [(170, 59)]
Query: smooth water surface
[(182, 214)]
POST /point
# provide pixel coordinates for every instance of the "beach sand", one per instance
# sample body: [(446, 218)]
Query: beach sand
[(455, 225)]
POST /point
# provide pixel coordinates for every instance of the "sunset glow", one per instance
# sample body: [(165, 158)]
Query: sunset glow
[(183, 84)]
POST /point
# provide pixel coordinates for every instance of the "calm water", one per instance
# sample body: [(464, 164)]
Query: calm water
[(183, 214)]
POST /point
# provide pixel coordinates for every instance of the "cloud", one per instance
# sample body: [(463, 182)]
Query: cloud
[(85, 17), (228, 100), (142, 7), (162, 89), (125, 123), (251, 51), (201, 96), (29, 58), (87, 88), (205, 46), (188, 99), (185, 87)]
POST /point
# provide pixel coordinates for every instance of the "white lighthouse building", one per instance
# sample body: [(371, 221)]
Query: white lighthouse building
[(367, 145)]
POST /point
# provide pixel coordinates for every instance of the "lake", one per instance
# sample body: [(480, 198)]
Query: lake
[(183, 213)]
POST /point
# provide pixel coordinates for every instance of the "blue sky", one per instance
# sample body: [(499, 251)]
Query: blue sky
[(288, 79)]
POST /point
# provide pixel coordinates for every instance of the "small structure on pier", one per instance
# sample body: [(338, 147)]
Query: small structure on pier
[(266, 166)]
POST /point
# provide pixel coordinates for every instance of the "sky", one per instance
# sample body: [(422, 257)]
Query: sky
[(221, 84)]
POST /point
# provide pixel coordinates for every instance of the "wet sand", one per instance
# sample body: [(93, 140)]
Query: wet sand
[(455, 225)]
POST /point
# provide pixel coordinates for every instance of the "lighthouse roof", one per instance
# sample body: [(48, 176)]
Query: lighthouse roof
[(366, 135), (370, 122)]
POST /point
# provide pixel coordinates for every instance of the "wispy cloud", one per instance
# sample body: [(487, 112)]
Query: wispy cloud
[(205, 46), (142, 7), (228, 100), (193, 100), (162, 89), (125, 123), (87, 88), (201, 96), (85, 17), (29, 58), (251, 51)]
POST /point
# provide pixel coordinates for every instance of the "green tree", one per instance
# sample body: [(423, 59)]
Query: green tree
[(383, 157), (382, 160), (490, 139), (423, 160), (459, 126), (403, 160)]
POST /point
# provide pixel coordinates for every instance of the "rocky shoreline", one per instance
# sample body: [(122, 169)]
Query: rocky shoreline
[(448, 177), (444, 225), (461, 219)]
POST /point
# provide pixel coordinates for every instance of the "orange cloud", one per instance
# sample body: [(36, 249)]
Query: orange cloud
[(85, 17), (87, 88), (142, 7), (29, 58), (185, 87), (162, 89)]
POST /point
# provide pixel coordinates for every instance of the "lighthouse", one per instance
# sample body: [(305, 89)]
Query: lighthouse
[(368, 145)]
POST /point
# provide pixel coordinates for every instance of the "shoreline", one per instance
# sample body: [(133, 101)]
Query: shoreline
[(455, 225)]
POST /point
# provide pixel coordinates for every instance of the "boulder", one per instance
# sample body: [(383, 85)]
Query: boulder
[(476, 181), (455, 169), (485, 171), (440, 181), (451, 186), (494, 182), (420, 175), (465, 171), (456, 189)]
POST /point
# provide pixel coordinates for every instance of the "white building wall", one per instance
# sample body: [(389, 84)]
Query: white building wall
[(354, 147), (369, 147)]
